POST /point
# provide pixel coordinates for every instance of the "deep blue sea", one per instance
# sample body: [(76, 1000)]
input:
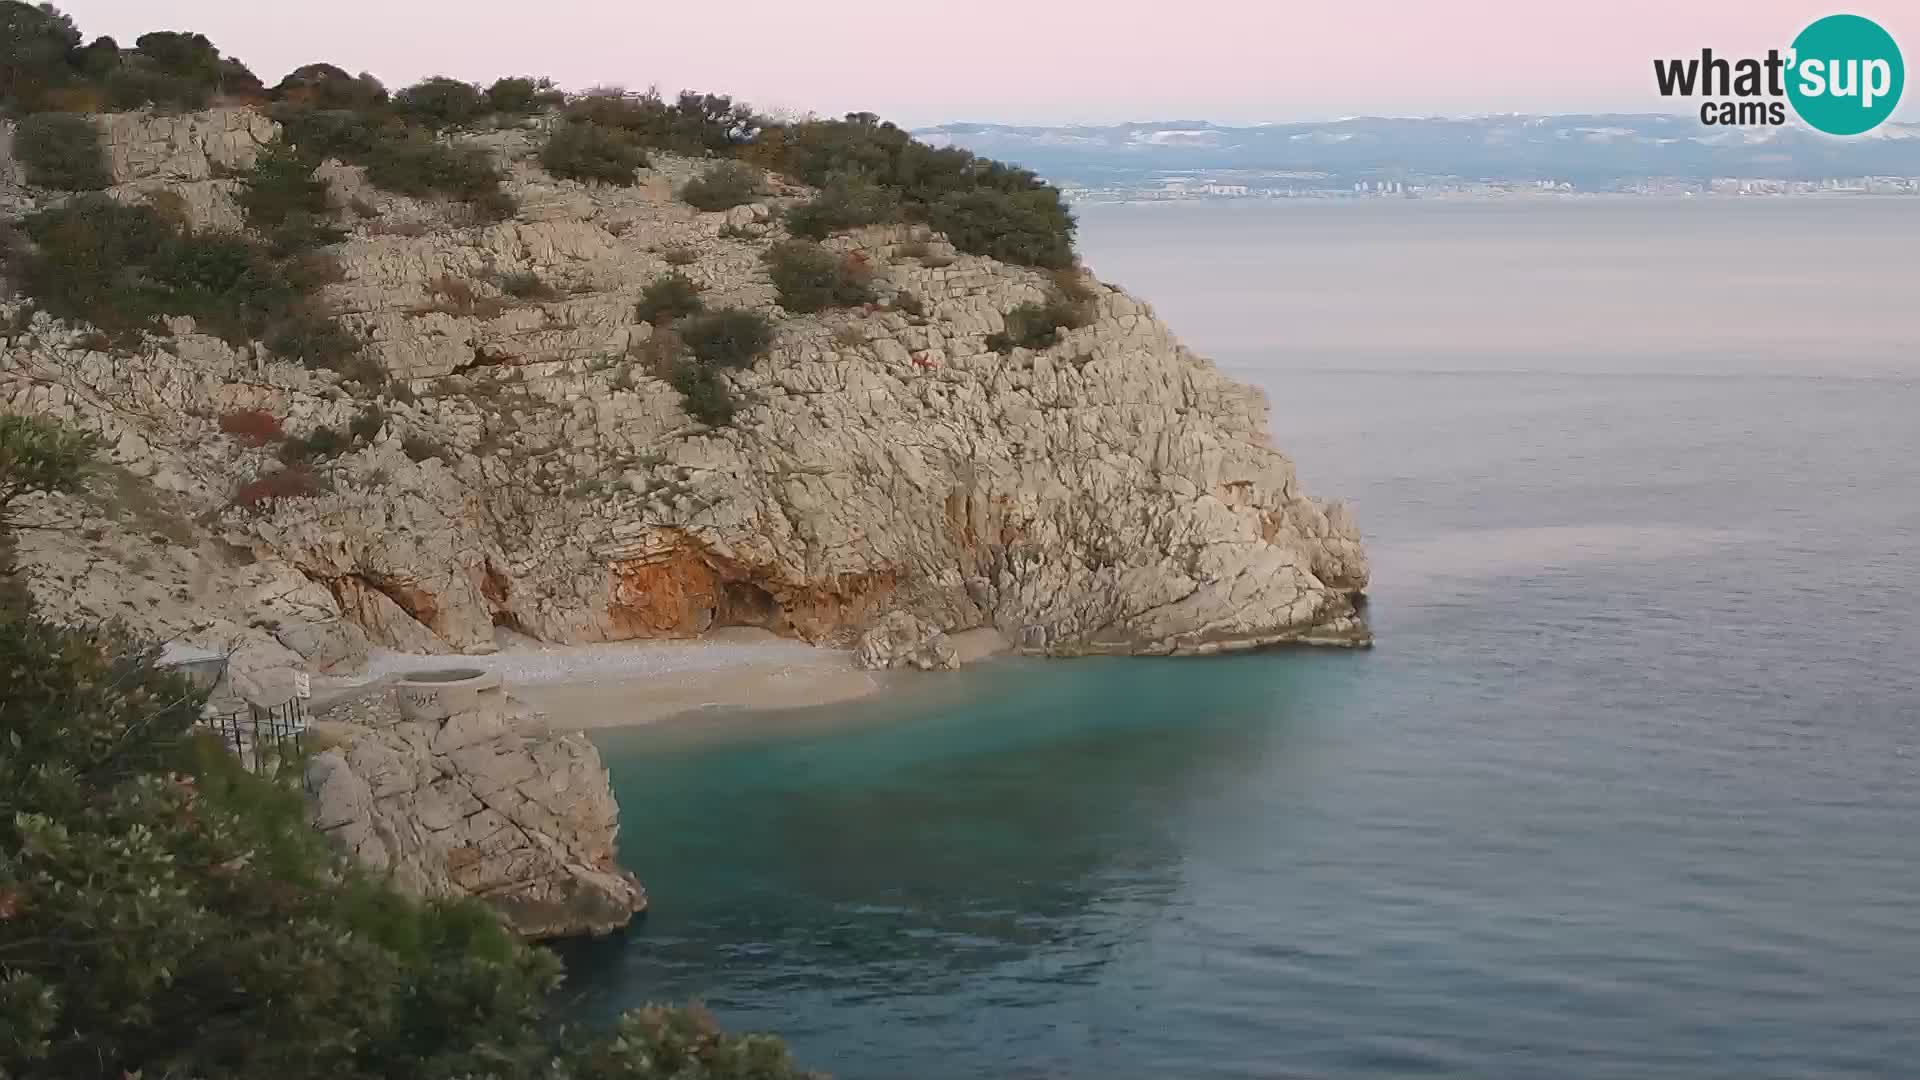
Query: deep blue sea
[(1630, 787)]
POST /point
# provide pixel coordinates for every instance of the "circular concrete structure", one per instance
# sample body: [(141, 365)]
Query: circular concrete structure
[(426, 696)]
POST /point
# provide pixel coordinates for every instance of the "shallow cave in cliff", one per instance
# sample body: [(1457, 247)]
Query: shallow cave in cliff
[(743, 603)]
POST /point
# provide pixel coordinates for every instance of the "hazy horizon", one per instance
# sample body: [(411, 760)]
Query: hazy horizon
[(1118, 62)]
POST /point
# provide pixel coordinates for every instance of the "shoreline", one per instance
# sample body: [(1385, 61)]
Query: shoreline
[(633, 683)]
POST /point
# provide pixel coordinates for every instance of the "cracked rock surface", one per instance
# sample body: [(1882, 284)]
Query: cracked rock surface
[(1112, 493)]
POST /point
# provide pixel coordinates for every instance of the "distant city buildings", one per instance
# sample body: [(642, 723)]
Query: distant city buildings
[(1177, 187)]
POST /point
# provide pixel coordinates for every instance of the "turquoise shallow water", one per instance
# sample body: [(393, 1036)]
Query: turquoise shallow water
[(1631, 787)]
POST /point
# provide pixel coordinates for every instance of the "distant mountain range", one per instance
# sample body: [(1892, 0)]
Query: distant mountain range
[(1586, 151)]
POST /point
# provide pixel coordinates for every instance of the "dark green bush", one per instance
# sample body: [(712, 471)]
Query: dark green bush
[(37, 49), (43, 67), (323, 86), (521, 96), (1038, 326), (422, 167), (440, 103), (703, 392), (722, 187), (397, 158), (670, 296), (37, 456), (62, 151), (693, 124), (421, 448), (286, 204), (527, 285), (1029, 227), (321, 443), (367, 424), (332, 133), (810, 278), (164, 912), (318, 341), (846, 202), (581, 150), (86, 262), (986, 207), (727, 338)]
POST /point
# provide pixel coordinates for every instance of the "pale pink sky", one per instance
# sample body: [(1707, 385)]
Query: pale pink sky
[(925, 61)]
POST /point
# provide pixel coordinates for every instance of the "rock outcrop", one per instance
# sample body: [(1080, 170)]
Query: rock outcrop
[(1112, 493), (902, 639), (455, 790)]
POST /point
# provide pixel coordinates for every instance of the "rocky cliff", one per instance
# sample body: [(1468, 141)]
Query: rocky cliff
[(456, 790), (1112, 493)]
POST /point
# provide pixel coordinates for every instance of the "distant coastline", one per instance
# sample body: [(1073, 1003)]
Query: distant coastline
[(1883, 188)]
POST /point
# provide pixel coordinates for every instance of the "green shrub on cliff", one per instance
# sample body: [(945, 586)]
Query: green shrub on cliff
[(669, 296), (722, 187), (286, 204), (1038, 326), (846, 202), (122, 268), (809, 278), (36, 456), (582, 150), (704, 392), (728, 337), (521, 96), (62, 151), (986, 207), (692, 124), (168, 914), (439, 103)]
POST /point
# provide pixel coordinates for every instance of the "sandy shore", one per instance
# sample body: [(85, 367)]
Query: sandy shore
[(590, 686)]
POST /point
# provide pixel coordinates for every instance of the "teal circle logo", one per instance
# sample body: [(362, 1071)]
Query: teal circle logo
[(1845, 75)]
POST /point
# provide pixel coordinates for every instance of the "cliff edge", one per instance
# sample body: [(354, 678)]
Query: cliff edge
[(527, 466)]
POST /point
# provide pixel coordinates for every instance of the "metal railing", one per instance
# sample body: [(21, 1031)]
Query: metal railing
[(261, 736)]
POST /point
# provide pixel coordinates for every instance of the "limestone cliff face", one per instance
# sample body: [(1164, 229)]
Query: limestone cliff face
[(1113, 493), (472, 796)]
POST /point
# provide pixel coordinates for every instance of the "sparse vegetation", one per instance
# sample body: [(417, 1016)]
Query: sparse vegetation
[(420, 448), (37, 456), (458, 297), (723, 187), (123, 267), (285, 203), (846, 202), (728, 337), (809, 278), (586, 151), (318, 445), (1038, 326), (692, 124), (527, 285), (985, 207), (367, 425), (704, 392), (680, 256), (669, 296), (62, 151)]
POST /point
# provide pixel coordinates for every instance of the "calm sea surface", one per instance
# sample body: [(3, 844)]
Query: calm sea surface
[(1630, 787)]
